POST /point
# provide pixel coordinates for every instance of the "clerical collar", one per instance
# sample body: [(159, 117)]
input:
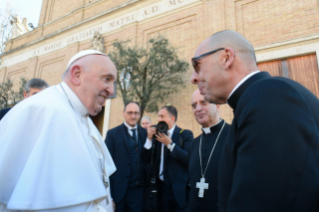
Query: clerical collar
[(208, 130), (234, 98), (242, 81), (74, 100), (170, 131)]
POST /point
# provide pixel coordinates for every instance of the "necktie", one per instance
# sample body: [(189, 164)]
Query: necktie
[(134, 135)]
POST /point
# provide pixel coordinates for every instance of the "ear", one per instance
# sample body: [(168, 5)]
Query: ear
[(25, 95), (229, 58), (76, 72)]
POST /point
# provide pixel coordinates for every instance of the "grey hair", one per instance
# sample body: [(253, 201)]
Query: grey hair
[(146, 117), (35, 83)]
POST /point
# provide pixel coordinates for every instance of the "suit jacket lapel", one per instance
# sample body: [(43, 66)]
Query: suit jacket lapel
[(140, 142), (125, 136), (175, 140), (176, 135)]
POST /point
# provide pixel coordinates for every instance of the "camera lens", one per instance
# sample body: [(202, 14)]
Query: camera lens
[(162, 127)]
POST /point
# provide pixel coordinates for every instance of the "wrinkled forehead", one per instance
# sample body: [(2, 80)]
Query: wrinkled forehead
[(33, 89)]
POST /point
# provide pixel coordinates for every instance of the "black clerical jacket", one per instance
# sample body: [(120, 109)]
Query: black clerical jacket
[(175, 164), (271, 157), (210, 200)]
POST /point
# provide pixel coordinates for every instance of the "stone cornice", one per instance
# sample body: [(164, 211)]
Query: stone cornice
[(288, 42), (131, 2)]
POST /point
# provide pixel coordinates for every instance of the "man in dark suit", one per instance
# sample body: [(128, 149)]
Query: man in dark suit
[(270, 160), (125, 143), (4, 112), (32, 87), (204, 155), (171, 161)]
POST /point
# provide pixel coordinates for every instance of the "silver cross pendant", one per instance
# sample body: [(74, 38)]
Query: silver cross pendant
[(105, 182)]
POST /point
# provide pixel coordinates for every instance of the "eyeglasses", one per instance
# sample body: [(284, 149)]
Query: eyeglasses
[(195, 59), (130, 113)]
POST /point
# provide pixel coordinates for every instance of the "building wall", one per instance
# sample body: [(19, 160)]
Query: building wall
[(277, 29)]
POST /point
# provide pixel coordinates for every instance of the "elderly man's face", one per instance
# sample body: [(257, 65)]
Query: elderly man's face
[(145, 123), (206, 114), (97, 83), (210, 76)]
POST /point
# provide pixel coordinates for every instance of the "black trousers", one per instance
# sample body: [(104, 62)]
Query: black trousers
[(132, 200), (168, 200)]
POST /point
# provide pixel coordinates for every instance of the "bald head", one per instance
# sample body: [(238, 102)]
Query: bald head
[(228, 58), (231, 39)]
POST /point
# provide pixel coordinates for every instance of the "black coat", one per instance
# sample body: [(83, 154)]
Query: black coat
[(175, 164), (117, 141), (271, 157), (210, 200), (3, 112)]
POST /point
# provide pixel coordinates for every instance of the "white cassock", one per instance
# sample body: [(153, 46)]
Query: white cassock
[(52, 157)]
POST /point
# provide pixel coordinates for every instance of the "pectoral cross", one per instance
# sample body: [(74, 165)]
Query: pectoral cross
[(105, 182), (201, 185)]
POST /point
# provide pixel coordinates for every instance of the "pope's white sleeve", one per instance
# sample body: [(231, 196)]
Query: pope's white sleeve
[(148, 144)]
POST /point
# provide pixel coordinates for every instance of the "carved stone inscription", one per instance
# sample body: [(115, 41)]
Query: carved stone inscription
[(137, 15)]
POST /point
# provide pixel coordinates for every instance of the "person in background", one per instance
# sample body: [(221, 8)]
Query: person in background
[(204, 154), (32, 87), (146, 122), (171, 161), (125, 143)]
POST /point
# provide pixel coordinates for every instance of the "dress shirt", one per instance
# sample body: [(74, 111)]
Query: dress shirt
[(129, 129), (242, 81), (148, 145)]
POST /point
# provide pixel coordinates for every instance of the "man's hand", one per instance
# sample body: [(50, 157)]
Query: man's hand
[(165, 139), (150, 133)]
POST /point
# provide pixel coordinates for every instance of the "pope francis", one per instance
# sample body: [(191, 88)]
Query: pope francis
[(52, 157)]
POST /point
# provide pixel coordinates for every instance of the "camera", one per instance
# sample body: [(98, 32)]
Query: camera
[(161, 127)]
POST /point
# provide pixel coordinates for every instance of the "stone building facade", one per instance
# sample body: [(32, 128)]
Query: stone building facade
[(285, 34)]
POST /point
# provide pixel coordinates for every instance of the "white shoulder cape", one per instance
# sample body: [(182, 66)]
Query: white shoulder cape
[(45, 161)]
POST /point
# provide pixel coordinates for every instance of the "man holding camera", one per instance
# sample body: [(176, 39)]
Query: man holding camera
[(170, 160), (125, 143)]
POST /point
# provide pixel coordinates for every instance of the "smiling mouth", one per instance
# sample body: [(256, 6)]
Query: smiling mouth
[(200, 115), (104, 97)]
